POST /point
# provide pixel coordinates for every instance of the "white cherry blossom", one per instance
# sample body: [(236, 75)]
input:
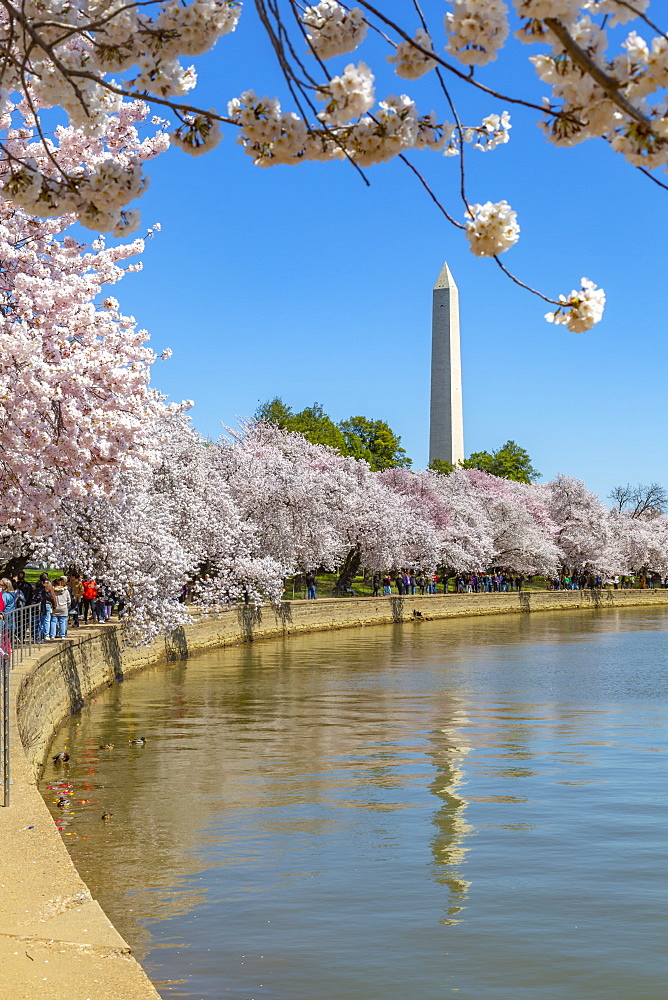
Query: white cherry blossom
[(580, 310), (491, 228), (95, 69), (334, 30), (75, 396), (347, 96), (477, 30), (601, 79), (410, 63)]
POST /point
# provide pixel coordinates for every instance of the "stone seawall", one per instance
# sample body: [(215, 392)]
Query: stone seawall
[(55, 940)]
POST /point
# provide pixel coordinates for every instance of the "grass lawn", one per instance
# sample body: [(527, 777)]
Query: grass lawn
[(33, 575)]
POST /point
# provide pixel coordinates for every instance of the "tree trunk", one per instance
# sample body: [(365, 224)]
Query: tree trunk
[(349, 570), (15, 565), (206, 568)]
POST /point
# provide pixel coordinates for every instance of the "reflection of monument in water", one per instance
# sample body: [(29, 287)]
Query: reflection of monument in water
[(445, 748), (446, 420), (450, 820)]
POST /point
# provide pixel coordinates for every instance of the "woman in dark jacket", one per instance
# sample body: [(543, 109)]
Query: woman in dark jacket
[(46, 596)]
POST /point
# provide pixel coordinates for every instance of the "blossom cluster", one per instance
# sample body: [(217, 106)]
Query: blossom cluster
[(64, 61), (75, 393), (492, 132), (94, 60), (476, 30), (491, 228), (411, 63), (92, 177), (274, 137), (630, 111), (581, 309), (334, 30), (348, 96)]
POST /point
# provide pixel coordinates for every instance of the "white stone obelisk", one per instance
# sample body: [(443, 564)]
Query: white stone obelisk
[(446, 425)]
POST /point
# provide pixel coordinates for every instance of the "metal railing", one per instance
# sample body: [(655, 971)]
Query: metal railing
[(4, 727), (20, 633)]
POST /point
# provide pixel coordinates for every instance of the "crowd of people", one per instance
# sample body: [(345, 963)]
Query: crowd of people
[(586, 581), (70, 600), (408, 583), (67, 600)]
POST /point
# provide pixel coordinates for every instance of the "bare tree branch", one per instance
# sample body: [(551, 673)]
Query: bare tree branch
[(606, 82), (640, 501)]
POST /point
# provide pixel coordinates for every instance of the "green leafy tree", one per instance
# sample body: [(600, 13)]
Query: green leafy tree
[(508, 462), (318, 428), (275, 411), (371, 440), (375, 441), (442, 466)]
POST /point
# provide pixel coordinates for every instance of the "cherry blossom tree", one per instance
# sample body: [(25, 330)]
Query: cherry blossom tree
[(603, 65), (315, 507), (640, 543), (290, 488), (234, 518), (482, 520), (583, 533), (523, 532), (452, 506), (171, 520), (75, 398)]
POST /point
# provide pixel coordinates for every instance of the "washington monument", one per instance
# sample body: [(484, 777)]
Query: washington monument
[(446, 424)]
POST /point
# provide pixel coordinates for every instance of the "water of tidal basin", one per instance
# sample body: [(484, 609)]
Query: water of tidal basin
[(466, 808)]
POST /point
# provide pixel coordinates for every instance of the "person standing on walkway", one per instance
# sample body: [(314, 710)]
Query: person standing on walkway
[(24, 588), (46, 595), (90, 592), (107, 601), (99, 604), (76, 590), (61, 609), (8, 627), (376, 584), (310, 584), (8, 594), (387, 586)]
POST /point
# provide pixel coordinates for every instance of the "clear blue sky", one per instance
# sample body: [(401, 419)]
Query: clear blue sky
[(302, 282)]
